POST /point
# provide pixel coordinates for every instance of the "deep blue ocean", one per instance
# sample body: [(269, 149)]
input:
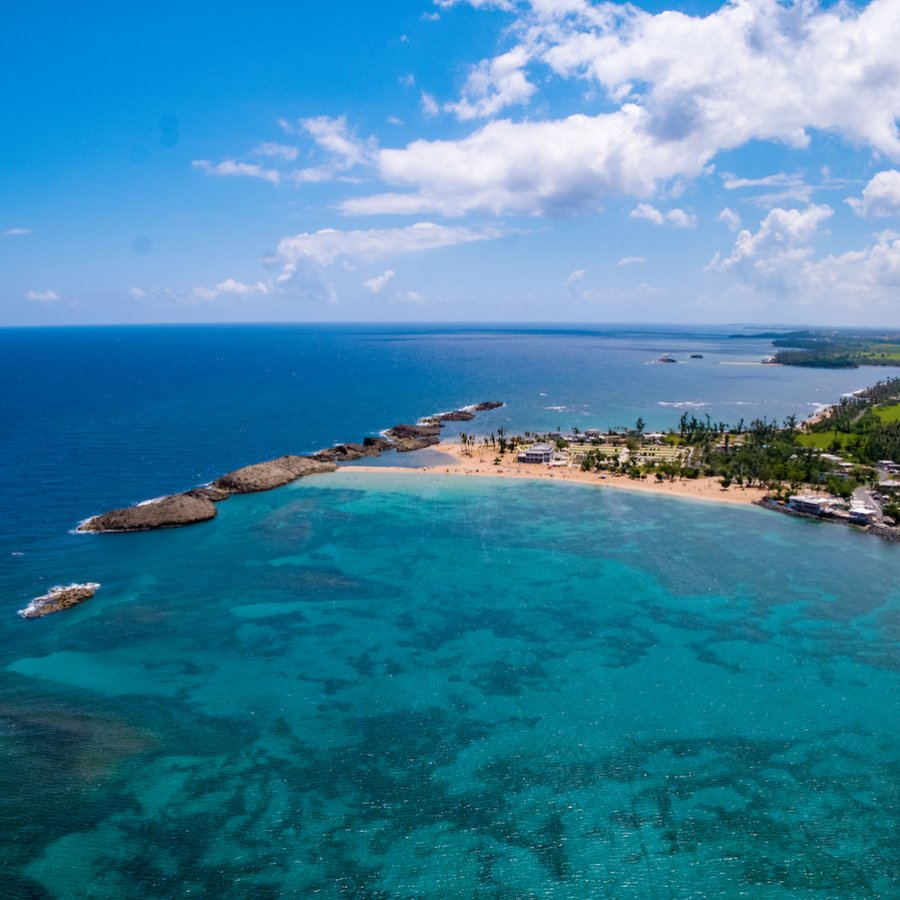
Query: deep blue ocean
[(365, 685)]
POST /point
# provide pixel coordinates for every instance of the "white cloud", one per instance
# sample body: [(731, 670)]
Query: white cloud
[(880, 197), (778, 246), (136, 293), (493, 85), (41, 296), (232, 288), (279, 151), (377, 284), (15, 232), (630, 261), (429, 105), (333, 135), (415, 297), (684, 88), (677, 217), (323, 247), (575, 277), (730, 218), (230, 167), (478, 4), (779, 179)]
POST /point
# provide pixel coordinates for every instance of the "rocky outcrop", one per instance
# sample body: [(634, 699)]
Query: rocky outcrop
[(217, 495), (457, 415), (59, 598), (377, 445), (414, 437), (273, 473), (198, 504), (348, 452), (166, 512)]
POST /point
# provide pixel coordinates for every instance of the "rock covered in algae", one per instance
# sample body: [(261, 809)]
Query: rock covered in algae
[(59, 598)]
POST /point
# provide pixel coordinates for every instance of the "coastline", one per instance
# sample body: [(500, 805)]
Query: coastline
[(481, 465)]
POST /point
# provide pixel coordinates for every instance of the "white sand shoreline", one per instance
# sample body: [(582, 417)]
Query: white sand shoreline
[(481, 464)]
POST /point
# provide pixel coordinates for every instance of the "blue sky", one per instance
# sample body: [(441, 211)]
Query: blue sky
[(451, 160)]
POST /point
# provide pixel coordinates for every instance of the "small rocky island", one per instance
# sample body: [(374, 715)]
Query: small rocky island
[(199, 504), (59, 598)]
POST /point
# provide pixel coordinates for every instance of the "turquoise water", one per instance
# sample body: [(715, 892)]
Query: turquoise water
[(406, 686), (382, 685)]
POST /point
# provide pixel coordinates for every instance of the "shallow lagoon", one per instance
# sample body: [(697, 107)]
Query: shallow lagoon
[(371, 685)]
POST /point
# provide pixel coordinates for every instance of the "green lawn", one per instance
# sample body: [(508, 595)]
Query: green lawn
[(888, 413), (821, 440)]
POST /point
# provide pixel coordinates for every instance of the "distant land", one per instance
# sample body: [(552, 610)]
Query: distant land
[(834, 348)]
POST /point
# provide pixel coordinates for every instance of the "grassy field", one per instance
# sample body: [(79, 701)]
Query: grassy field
[(888, 413), (821, 440)]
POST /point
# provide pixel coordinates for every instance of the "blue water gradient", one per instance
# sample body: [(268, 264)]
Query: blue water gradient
[(382, 685)]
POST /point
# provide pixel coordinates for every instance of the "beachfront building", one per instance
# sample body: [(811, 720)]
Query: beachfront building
[(537, 453), (813, 506)]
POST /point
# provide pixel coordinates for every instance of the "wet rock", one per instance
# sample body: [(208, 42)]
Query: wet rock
[(59, 598), (486, 405)]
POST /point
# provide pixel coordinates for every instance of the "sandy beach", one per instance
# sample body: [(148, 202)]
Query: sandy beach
[(481, 464)]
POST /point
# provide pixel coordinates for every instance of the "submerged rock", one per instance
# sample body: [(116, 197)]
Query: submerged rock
[(59, 598), (166, 512), (273, 473)]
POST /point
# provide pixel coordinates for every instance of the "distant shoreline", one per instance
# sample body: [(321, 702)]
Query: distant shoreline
[(480, 464)]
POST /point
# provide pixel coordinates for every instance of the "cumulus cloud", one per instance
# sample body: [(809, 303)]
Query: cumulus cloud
[(880, 197), (781, 242), (493, 85), (630, 261), (377, 284), (136, 293), (574, 278), (683, 89), (677, 217), (233, 288), (41, 296), (230, 167), (15, 232)]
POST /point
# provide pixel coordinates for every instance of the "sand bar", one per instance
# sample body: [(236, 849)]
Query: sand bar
[(481, 464)]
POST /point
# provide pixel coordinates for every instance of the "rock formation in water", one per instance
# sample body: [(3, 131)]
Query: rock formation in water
[(166, 512), (273, 473), (414, 437), (371, 446), (198, 504), (59, 598)]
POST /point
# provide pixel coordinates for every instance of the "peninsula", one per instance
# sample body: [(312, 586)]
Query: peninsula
[(199, 504)]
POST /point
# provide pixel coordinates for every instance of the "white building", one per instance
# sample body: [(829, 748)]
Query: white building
[(537, 453)]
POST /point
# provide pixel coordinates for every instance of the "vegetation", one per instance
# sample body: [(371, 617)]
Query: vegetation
[(837, 349)]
